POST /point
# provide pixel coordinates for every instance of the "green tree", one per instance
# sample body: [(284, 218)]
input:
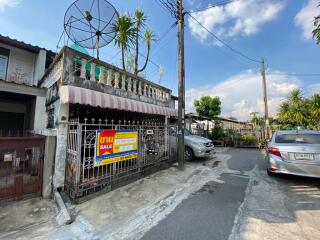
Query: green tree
[(256, 119), (128, 35), (299, 111), (314, 105), (208, 107), (217, 131), (125, 35), (284, 112), (140, 19), (297, 107), (149, 36), (316, 31)]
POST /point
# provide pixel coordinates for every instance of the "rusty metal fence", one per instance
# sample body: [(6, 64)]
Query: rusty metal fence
[(156, 147), (21, 161)]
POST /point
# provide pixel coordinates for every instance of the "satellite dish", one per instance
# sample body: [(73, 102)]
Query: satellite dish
[(88, 23)]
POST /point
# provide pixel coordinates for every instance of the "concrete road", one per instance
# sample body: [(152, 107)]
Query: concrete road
[(229, 197), (247, 205)]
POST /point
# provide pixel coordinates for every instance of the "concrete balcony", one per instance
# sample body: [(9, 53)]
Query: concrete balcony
[(77, 69)]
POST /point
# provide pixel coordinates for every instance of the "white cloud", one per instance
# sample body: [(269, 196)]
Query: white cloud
[(242, 94), (304, 18), (313, 89), (244, 17), (8, 3)]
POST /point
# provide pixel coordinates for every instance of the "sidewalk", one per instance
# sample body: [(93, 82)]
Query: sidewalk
[(125, 213), (130, 211), (32, 217)]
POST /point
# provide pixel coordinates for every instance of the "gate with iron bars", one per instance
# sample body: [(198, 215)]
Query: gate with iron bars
[(21, 161), (157, 147)]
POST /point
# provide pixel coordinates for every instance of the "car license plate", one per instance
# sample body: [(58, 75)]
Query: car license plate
[(303, 156)]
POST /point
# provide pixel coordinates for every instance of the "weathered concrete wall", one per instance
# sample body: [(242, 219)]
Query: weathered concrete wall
[(61, 149), (48, 165), (21, 65), (40, 115), (40, 66)]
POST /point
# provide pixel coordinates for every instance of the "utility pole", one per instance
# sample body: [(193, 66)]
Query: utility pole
[(181, 87), (265, 99)]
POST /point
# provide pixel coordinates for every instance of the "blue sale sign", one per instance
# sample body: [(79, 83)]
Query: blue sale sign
[(115, 145)]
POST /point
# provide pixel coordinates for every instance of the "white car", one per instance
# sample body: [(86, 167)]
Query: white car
[(294, 152), (196, 146)]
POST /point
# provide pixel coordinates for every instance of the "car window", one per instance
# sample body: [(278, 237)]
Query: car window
[(187, 132), (298, 138)]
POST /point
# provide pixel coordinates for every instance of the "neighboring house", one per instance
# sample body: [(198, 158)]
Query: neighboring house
[(86, 94), (201, 125), (198, 125), (22, 114), (236, 125)]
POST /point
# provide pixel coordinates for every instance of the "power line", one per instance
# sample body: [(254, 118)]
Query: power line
[(224, 43), (145, 57), (166, 32), (115, 55), (169, 6), (213, 5), (157, 48), (296, 74)]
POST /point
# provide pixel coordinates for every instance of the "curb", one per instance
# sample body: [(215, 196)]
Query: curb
[(63, 216)]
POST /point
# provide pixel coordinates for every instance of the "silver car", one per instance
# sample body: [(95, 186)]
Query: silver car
[(294, 152), (196, 146)]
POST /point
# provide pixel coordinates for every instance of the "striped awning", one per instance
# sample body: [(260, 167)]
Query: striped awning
[(72, 94)]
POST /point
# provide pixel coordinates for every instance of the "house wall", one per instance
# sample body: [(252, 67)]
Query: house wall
[(61, 146), (20, 65), (40, 66), (40, 114), (25, 67)]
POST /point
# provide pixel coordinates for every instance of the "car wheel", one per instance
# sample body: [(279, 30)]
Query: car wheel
[(188, 154), (271, 174)]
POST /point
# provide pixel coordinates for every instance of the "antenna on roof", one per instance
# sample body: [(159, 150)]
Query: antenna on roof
[(88, 23)]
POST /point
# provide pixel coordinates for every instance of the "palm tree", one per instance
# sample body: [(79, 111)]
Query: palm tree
[(295, 97), (140, 19), (315, 106), (149, 36), (125, 33), (284, 112), (316, 31)]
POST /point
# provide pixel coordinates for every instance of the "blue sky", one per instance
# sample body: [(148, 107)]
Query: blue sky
[(278, 30)]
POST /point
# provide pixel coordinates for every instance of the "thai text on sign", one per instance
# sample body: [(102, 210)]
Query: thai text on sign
[(115, 145)]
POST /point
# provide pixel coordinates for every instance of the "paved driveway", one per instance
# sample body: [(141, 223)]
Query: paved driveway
[(228, 197), (247, 205)]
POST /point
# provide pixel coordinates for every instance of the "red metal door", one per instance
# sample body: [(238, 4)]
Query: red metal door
[(21, 161)]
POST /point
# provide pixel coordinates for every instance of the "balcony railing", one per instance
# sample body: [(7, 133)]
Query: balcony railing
[(84, 71)]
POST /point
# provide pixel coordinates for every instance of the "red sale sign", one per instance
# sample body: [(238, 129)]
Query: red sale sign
[(105, 140)]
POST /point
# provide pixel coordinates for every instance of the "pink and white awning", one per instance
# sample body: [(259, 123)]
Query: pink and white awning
[(71, 94)]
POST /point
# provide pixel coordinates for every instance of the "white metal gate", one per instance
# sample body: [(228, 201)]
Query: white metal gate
[(156, 146)]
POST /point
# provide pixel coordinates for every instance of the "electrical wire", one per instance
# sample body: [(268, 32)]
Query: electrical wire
[(166, 32), (213, 5), (224, 43), (296, 74), (114, 56), (145, 57), (170, 6), (157, 47)]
